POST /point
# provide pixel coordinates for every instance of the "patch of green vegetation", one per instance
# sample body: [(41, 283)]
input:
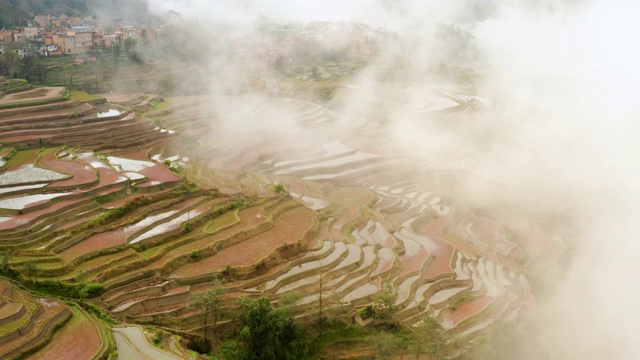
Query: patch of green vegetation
[(326, 93), (159, 106), (226, 270), (96, 311), (220, 222), (150, 252), (12, 84), (90, 290), (339, 332), (237, 203), (347, 230), (279, 188), (461, 300), (13, 326), (116, 213), (83, 96), (185, 188)]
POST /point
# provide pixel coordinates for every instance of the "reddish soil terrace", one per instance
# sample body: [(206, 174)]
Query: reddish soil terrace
[(469, 308), (51, 93), (109, 239), (288, 228), (297, 186), (78, 339), (21, 219), (159, 173), (362, 211), (350, 215), (254, 155), (248, 218), (66, 110), (413, 261), (8, 309), (50, 309), (81, 172), (434, 228), (349, 194), (441, 260)]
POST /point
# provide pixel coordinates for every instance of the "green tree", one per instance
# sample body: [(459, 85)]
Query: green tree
[(131, 49), (384, 304), (32, 270), (209, 302), (167, 85), (40, 72), (116, 50), (289, 299), (509, 340), (129, 44), (89, 290), (12, 60), (81, 277), (269, 334), (429, 338), (386, 344), (4, 265), (5, 65)]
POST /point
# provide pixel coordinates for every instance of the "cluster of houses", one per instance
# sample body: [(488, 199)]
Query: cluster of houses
[(275, 44), (59, 35), (283, 42)]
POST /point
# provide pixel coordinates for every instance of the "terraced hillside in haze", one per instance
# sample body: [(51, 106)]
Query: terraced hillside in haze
[(151, 198)]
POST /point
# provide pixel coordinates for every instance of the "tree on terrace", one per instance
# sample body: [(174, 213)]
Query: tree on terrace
[(209, 301), (40, 72), (116, 50), (32, 270), (4, 264), (429, 338), (386, 344), (130, 47), (268, 334), (384, 304), (129, 44)]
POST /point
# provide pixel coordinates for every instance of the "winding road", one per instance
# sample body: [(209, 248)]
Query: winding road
[(133, 345)]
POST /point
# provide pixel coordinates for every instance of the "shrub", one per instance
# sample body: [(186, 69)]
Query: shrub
[(237, 203), (98, 312), (226, 270), (56, 288), (90, 290)]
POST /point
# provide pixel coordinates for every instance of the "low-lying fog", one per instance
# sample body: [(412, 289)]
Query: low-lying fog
[(555, 135)]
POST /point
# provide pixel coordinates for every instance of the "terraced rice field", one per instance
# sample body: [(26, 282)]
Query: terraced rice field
[(65, 343), (151, 206), (26, 321)]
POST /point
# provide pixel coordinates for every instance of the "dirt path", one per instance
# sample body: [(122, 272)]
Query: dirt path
[(133, 345)]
